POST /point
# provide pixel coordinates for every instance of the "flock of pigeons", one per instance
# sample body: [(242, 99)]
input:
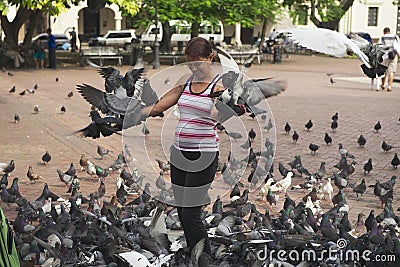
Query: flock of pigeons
[(87, 230)]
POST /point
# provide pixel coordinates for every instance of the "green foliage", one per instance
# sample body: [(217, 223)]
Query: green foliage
[(325, 11)]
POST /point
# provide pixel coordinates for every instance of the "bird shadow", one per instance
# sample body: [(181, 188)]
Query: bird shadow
[(39, 163)]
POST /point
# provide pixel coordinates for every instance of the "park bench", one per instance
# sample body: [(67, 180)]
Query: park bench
[(173, 55), (102, 53), (241, 54)]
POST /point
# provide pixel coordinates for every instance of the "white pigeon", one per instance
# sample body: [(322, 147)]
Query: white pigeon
[(91, 169), (283, 184), (309, 203), (264, 190), (327, 42), (328, 189)]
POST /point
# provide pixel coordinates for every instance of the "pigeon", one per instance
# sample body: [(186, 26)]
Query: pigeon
[(295, 136), (10, 74), (252, 91), (361, 188), (70, 94), (17, 118), (368, 166), (331, 80), (63, 109), (377, 126), (102, 151), (247, 144), (287, 128), (160, 182), (252, 134), (164, 167), (46, 158), (22, 93), (361, 141), (7, 168), (335, 117), (313, 148), (329, 42), (395, 161), (57, 79), (33, 177), (99, 126), (121, 97), (334, 125), (309, 125), (386, 147), (12, 90), (343, 152), (328, 139), (269, 125), (145, 129), (83, 162), (64, 177), (36, 109)]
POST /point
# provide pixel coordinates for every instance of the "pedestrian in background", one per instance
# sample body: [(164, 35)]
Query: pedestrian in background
[(390, 59), (52, 49), (73, 39)]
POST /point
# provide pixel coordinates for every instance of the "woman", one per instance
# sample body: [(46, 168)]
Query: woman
[(38, 54), (194, 155)]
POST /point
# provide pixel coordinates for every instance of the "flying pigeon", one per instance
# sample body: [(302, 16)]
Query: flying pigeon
[(122, 95)]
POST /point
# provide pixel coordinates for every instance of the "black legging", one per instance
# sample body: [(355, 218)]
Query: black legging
[(190, 201), (52, 58)]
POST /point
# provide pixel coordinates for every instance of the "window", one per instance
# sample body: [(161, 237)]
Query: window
[(373, 16), (302, 18)]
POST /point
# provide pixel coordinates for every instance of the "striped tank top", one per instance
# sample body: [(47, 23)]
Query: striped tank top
[(195, 130)]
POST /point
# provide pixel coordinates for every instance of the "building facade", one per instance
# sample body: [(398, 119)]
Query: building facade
[(369, 16)]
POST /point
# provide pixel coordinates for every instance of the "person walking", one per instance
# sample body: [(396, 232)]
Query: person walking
[(390, 59), (194, 154), (52, 49), (73, 39)]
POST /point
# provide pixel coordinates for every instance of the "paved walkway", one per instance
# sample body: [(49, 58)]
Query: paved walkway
[(310, 95)]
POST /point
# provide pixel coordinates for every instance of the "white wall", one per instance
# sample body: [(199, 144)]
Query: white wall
[(356, 20)]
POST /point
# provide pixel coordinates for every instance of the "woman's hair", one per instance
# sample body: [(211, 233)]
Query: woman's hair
[(198, 47)]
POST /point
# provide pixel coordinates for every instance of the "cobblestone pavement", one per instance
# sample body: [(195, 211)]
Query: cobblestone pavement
[(310, 95)]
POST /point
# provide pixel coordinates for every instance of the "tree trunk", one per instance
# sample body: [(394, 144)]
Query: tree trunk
[(331, 25), (11, 29), (33, 20), (264, 28), (195, 29), (165, 45)]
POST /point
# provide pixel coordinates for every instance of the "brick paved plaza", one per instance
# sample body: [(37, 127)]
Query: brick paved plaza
[(310, 95)]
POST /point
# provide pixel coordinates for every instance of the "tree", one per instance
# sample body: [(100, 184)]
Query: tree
[(29, 12), (323, 13)]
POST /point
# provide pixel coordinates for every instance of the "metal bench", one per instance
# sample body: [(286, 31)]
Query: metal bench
[(100, 53), (173, 56), (242, 55)]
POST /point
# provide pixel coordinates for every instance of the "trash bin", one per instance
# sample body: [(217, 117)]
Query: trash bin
[(180, 46), (136, 50), (277, 54)]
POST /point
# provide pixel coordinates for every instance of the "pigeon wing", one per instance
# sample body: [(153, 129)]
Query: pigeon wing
[(94, 96), (259, 89), (328, 42), (226, 60), (131, 81), (118, 105)]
